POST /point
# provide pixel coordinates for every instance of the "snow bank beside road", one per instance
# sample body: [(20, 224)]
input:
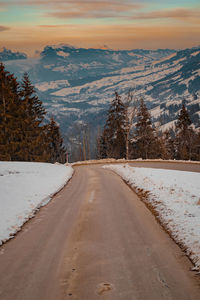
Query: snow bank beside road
[(24, 187), (175, 196)]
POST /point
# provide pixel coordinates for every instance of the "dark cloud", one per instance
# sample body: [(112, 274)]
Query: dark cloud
[(4, 28)]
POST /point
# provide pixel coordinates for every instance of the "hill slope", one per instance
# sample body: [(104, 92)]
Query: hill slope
[(77, 85)]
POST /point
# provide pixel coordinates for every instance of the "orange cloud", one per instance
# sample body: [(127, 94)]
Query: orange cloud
[(93, 9), (179, 13), (81, 8), (56, 26)]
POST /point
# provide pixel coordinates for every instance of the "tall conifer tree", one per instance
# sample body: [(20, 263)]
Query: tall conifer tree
[(147, 145), (23, 134), (185, 135), (113, 140), (35, 141), (57, 150), (11, 117)]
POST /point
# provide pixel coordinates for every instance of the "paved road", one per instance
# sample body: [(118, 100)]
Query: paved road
[(95, 240)]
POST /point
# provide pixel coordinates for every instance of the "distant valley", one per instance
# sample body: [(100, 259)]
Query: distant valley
[(77, 85)]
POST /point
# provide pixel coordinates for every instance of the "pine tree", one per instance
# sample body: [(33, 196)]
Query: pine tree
[(35, 142), (169, 147), (196, 153), (23, 134), (147, 143), (112, 141), (101, 146), (11, 117), (57, 150), (184, 135), (5, 93)]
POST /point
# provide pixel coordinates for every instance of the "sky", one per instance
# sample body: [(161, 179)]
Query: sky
[(29, 25)]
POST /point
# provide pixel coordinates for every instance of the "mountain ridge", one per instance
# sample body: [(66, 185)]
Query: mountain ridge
[(7, 55), (78, 84)]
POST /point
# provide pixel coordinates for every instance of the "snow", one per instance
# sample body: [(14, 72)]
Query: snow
[(49, 66), (60, 69), (156, 112), (119, 82), (63, 54), (167, 126), (197, 73), (25, 187), (195, 53), (175, 197), (62, 46), (135, 55), (187, 81), (51, 85), (164, 59)]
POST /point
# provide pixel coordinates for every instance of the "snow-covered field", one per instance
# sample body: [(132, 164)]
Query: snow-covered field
[(24, 187), (175, 197)]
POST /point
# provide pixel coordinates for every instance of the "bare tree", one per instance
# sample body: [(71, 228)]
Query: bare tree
[(80, 141)]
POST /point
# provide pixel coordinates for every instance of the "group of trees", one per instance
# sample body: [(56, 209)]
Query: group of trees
[(128, 133), (25, 135)]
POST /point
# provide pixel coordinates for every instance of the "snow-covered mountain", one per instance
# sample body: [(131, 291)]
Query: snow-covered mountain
[(6, 55), (77, 85), (80, 66)]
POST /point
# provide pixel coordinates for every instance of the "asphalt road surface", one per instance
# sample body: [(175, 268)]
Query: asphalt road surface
[(95, 240)]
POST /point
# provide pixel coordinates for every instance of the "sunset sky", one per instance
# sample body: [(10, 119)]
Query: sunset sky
[(29, 25)]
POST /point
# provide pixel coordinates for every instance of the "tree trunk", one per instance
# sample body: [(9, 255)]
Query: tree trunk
[(127, 147)]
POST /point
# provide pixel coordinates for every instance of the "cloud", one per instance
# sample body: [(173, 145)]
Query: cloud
[(179, 13), (80, 9), (94, 9), (53, 26), (4, 28), (2, 6)]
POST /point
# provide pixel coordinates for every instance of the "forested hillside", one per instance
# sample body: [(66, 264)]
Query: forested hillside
[(25, 135), (77, 85), (128, 133)]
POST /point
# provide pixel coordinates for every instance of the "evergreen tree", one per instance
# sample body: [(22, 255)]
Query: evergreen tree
[(11, 117), (147, 143), (185, 135), (35, 142), (169, 147), (101, 146), (196, 154), (57, 150), (112, 142), (23, 135)]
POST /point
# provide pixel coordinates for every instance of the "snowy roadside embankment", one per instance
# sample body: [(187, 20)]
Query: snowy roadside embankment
[(175, 197), (24, 187)]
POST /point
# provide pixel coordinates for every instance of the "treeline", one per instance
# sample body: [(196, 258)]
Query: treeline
[(128, 133), (25, 135)]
